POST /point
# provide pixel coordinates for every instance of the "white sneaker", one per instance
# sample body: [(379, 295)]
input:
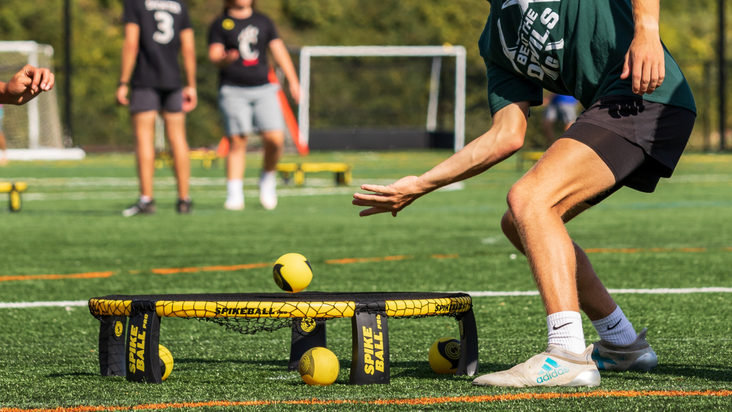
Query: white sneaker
[(234, 204), (555, 367), (638, 356), (268, 190)]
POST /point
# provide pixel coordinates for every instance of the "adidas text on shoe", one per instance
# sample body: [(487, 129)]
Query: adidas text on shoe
[(184, 206), (140, 208), (555, 367), (638, 356)]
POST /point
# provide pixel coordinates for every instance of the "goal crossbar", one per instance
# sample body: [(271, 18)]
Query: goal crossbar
[(388, 51)]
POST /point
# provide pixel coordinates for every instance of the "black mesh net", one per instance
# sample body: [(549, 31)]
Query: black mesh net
[(249, 313)]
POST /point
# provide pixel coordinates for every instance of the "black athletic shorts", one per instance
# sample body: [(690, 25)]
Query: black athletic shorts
[(145, 99), (640, 141)]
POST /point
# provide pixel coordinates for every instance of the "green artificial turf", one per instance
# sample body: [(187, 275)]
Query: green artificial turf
[(71, 223)]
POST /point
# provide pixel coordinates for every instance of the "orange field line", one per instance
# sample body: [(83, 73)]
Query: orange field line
[(413, 401), (372, 259), (453, 256), (169, 271), (89, 275)]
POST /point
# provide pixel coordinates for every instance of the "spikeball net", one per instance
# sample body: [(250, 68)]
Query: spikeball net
[(249, 313), (130, 325)]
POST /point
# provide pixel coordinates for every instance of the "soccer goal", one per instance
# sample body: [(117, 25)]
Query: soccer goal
[(32, 131), (436, 52)]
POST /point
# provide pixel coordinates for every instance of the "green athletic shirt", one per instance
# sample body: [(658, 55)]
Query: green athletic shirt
[(572, 47)]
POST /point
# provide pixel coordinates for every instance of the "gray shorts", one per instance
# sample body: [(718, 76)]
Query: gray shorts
[(567, 113), (247, 108), (145, 99)]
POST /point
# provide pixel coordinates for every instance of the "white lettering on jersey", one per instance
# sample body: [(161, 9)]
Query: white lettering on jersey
[(247, 38), (531, 40), (165, 27), (163, 5)]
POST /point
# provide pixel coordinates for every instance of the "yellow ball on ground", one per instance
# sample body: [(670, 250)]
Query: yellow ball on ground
[(292, 272), (445, 355), (319, 366), (166, 361)]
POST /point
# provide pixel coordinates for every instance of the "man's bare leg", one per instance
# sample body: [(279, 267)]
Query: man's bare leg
[(274, 142), (175, 127), (537, 203), (235, 167), (594, 299), (144, 125)]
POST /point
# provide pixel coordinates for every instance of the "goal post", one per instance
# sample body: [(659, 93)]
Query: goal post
[(436, 52), (33, 131)]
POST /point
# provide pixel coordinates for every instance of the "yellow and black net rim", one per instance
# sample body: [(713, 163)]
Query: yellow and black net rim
[(250, 312)]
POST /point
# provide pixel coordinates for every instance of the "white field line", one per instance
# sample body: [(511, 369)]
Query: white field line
[(660, 291)]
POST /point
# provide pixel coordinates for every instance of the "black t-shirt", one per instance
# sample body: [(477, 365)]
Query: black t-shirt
[(161, 22), (251, 36)]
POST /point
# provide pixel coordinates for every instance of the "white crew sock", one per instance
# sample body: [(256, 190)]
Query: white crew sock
[(235, 190), (565, 331), (615, 329), (145, 199)]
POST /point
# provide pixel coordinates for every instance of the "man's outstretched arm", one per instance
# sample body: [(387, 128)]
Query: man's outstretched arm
[(28, 83), (644, 62), (504, 138)]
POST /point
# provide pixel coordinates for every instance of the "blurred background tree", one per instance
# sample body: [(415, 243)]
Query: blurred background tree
[(688, 29)]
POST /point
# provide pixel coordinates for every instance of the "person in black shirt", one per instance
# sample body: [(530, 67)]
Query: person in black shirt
[(238, 42), (155, 31)]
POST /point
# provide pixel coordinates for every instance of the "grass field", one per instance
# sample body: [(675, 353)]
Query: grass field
[(679, 237)]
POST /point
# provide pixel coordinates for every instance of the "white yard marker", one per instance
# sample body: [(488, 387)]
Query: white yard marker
[(660, 291)]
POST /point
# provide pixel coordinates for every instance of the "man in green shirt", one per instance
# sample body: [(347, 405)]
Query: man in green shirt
[(640, 112)]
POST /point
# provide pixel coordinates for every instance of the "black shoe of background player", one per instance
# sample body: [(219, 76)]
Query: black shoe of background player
[(146, 208), (184, 207)]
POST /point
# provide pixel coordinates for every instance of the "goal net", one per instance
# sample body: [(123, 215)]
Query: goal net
[(380, 97), (32, 131)]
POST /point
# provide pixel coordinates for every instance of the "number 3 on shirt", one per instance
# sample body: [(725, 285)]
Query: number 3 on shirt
[(165, 27)]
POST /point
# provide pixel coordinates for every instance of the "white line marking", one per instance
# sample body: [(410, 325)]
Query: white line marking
[(25, 305), (661, 291)]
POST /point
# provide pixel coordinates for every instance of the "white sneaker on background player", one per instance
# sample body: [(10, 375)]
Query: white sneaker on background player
[(554, 367), (235, 195), (268, 190)]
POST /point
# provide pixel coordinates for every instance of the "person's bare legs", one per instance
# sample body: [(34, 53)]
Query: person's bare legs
[(143, 124), (235, 167), (594, 299), (274, 143), (568, 174), (236, 159), (175, 127)]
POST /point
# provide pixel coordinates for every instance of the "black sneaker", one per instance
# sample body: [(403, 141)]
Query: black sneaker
[(147, 208), (184, 207)]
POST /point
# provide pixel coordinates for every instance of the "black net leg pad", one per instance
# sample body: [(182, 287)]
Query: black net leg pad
[(112, 345), (370, 361), (307, 333), (143, 336), (468, 364)]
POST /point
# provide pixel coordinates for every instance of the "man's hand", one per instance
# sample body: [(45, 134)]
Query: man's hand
[(392, 198), (190, 99), (28, 83), (644, 61), (121, 95)]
